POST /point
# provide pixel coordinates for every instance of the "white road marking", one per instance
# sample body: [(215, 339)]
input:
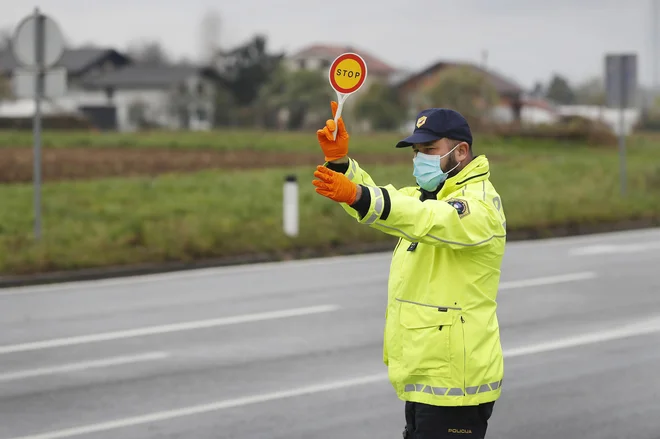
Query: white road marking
[(645, 328), (608, 249), (163, 329), (187, 411), (549, 280), (85, 365), (68, 341)]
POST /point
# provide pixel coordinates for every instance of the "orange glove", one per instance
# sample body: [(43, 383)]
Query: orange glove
[(333, 149), (334, 185)]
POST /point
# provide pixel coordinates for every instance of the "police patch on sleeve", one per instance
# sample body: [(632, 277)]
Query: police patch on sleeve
[(461, 206)]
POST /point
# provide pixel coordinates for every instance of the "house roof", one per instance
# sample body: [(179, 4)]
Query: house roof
[(74, 60), (501, 83), (146, 75), (374, 64)]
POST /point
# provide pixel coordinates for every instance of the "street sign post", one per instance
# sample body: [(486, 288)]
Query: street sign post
[(38, 46), (621, 88), (347, 74)]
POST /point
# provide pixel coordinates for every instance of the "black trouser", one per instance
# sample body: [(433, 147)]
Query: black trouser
[(433, 422)]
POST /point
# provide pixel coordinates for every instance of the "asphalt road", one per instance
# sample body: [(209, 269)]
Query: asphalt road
[(293, 350)]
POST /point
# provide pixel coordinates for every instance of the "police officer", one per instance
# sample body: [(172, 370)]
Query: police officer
[(441, 338)]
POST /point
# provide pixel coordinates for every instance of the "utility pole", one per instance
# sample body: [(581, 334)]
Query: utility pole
[(655, 36)]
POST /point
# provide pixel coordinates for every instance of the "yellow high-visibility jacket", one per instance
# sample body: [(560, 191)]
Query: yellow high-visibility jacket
[(441, 339)]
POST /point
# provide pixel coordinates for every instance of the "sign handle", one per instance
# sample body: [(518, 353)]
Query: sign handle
[(341, 98)]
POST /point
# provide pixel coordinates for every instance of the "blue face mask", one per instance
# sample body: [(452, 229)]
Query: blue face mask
[(428, 172)]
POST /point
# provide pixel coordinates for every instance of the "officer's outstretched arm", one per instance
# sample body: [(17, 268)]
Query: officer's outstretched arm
[(356, 174), (353, 171), (462, 223)]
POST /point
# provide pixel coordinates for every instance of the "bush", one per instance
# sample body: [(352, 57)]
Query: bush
[(573, 129)]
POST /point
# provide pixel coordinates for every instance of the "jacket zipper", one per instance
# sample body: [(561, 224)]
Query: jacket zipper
[(440, 308), (464, 354)]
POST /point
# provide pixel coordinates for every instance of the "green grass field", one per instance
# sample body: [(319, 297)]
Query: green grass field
[(246, 139), (217, 140), (220, 213)]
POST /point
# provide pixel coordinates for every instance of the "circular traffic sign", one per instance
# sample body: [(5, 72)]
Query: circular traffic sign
[(347, 73), (25, 39)]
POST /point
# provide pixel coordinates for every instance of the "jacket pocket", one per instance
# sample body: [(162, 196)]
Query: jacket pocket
[(426, 332)]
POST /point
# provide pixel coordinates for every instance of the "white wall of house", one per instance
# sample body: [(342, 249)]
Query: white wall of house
[(155, 107), (156, 102), (535, 115), (502, 114)]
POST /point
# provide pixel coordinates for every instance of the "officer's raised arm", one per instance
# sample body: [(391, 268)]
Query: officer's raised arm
[(466, 220), (458, 208)]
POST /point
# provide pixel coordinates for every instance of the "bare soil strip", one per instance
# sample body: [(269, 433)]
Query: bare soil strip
[(92, 163)]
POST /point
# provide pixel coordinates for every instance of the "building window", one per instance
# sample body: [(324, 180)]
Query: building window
[(202, 114)]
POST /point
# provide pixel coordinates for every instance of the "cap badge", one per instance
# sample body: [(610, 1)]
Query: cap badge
[(421, 121)]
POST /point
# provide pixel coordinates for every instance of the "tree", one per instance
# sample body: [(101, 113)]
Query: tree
[(560, 91), (381, 107), (590, 92), (246, 68), (302, 94), (537, 91), (224, 113), (465, 90)]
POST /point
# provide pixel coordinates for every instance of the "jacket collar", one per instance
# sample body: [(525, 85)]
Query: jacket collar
[(477, 170)]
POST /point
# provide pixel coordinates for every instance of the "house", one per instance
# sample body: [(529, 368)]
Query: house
[(79, 63), (115, 93), (510, 94), (140, 95), (320, 57)]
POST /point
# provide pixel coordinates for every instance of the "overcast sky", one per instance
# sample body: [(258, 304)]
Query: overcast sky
[(526, 40)]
